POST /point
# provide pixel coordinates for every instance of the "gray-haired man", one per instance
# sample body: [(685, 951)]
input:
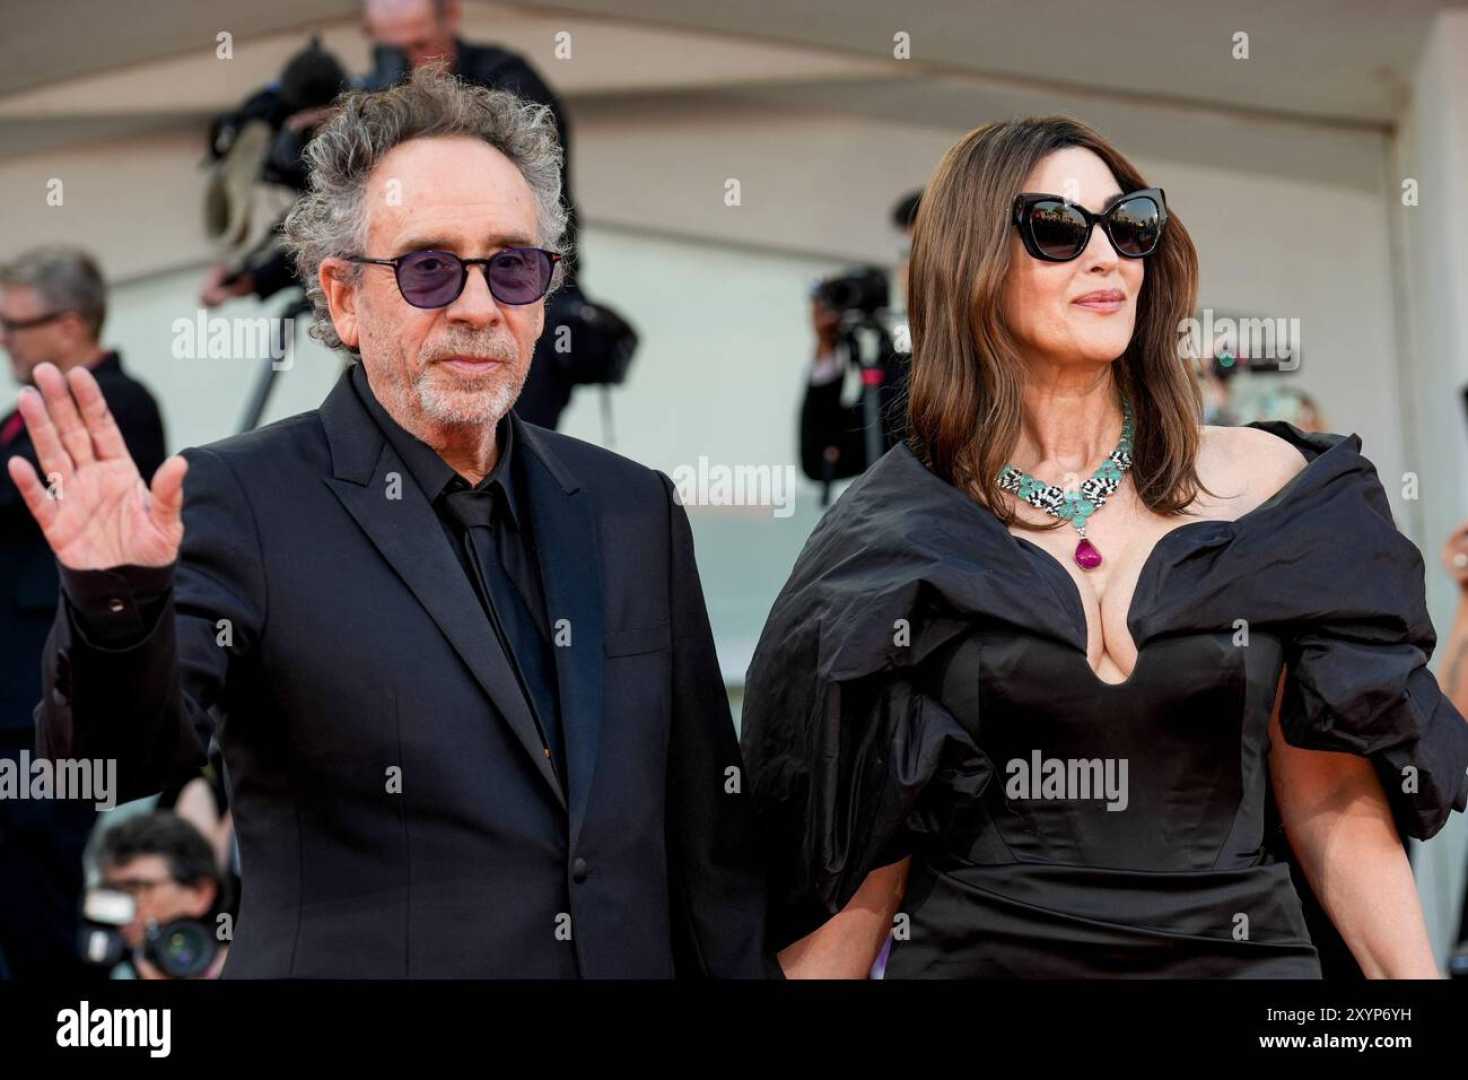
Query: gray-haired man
[(459, 665), (53, 304)]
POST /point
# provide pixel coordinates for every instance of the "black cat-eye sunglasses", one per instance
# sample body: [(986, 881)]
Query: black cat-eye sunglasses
[(1057, 230)]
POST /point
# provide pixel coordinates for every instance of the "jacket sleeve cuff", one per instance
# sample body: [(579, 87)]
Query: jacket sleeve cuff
[(117, 607)]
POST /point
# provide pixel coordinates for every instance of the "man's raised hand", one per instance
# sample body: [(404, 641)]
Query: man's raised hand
[(92, 505)]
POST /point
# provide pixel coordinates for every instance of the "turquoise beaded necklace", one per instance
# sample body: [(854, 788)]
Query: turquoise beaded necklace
[(1077, 507)]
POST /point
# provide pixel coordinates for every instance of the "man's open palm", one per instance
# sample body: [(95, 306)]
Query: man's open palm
[(92, 505)]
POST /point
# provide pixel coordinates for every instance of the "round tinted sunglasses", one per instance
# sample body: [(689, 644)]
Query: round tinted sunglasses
[(435, 279), (1057, 230)]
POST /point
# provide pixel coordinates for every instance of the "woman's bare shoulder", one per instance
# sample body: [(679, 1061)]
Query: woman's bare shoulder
[(1248, 464)]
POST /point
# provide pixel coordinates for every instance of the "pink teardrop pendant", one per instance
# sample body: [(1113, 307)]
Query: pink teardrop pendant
[(1087, 557)]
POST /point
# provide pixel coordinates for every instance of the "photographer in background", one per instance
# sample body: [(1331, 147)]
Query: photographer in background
[(262, 141), (858, 334), (168, 869)]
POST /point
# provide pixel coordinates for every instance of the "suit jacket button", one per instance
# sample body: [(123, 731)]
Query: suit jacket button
[(579, 870)]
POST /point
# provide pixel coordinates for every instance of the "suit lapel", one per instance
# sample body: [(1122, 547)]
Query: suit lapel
[(405, 531), (567, 547)]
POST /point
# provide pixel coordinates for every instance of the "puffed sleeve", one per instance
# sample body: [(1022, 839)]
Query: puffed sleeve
[(845, 781), (1358, 679), (852, 760)]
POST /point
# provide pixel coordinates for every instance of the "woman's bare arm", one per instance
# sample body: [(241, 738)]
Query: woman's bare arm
[(1454, 668), (846, 945), (1340, 826)]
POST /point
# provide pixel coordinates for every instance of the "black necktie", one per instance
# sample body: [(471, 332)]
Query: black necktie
[(529, 650)]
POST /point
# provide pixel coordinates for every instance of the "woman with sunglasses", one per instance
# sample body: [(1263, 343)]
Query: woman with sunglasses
[(1042, 679)]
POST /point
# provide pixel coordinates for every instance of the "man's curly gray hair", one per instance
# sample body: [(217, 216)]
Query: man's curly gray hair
[(331, 220)]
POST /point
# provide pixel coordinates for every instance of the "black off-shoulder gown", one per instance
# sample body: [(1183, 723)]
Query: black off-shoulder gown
[(920, 651)]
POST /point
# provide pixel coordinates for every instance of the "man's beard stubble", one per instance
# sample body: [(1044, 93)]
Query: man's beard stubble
[(450, 399)]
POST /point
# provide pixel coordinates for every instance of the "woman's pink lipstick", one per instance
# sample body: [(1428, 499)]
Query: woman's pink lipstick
[(1103, 301)]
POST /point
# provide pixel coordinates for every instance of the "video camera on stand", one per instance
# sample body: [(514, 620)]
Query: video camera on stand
[(874, 334)]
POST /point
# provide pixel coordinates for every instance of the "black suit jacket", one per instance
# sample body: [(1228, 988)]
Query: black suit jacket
[(28, 569), (396, 813)]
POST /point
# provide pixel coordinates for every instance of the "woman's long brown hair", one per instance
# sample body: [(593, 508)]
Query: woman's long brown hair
[(964, 392)]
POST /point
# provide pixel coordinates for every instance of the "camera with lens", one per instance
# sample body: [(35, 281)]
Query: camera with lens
[(264, 140), (179, 949), (863, 291), (312, 78)]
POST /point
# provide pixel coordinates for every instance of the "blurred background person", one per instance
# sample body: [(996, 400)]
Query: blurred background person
[(1215, 380), (861, 340), (261, 141), (53, 303), (168, 870), (1287, 403)]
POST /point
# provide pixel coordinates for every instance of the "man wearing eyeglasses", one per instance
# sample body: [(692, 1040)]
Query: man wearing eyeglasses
[(53, 302), (459, 666), (167, 869)]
